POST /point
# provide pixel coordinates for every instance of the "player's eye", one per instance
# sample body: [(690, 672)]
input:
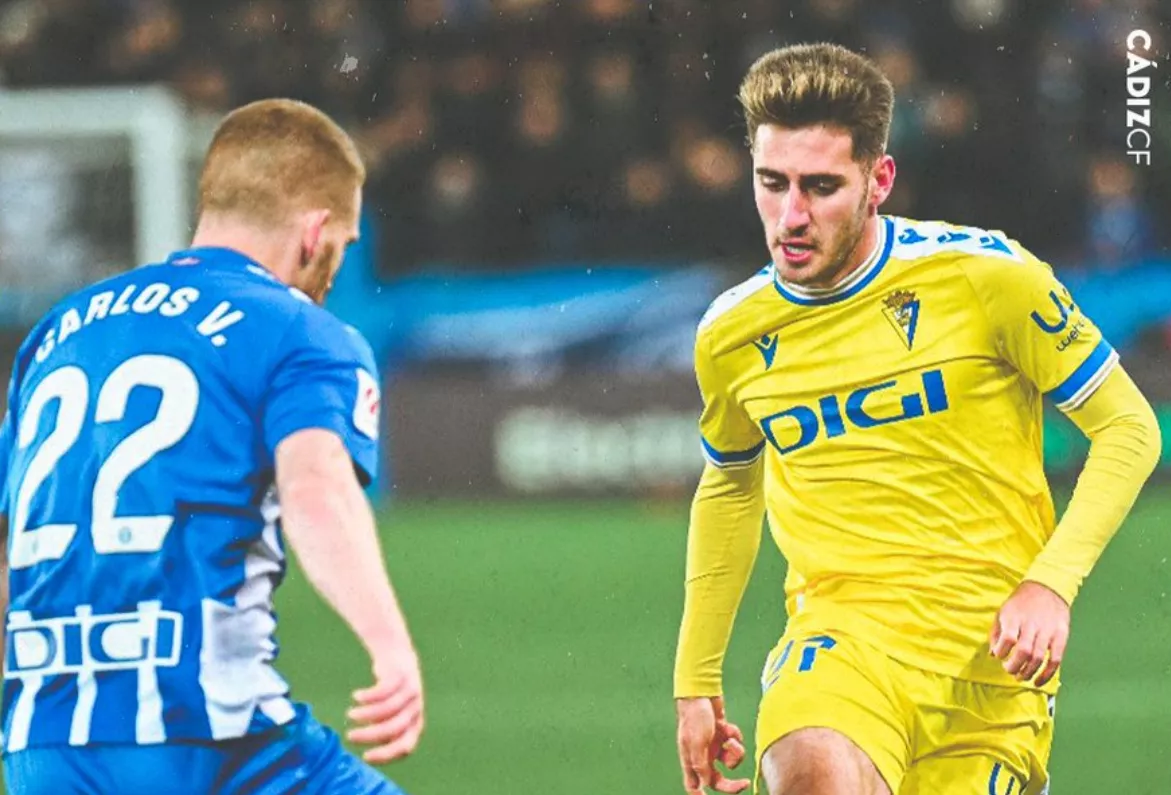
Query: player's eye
[(824, 188), (771, 183)]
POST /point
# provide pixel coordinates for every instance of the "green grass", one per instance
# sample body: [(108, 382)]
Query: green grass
[(547, 635)]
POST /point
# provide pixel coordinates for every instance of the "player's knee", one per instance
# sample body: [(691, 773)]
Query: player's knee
[(818, 761)]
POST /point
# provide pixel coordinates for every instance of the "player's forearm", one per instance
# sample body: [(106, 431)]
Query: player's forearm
[(722, 543), (332, 530), (1124, 449)]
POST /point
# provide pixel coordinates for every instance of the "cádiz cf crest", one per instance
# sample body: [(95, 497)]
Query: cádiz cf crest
[(902, 310)]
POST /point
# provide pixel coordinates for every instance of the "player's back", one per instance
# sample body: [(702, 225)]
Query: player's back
[(144, 549)]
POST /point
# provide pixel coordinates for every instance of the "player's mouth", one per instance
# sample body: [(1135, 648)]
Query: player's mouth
[(797, 252)]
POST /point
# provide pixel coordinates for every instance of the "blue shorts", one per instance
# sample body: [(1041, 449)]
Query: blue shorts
[(301, 757)]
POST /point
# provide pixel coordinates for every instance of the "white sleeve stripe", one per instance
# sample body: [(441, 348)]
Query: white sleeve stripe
[(1091, 386)]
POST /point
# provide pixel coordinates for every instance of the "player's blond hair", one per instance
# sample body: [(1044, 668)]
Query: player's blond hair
[(810, 84), (275, 157)]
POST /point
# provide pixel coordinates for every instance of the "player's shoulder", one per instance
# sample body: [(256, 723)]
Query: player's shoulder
[(318, 328), (986, 259), (735, 303), (945, 241)]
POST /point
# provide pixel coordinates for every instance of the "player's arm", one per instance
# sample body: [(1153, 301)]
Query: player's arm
[(1044, 334), (320, 418), (1125, 446), (723, 540)]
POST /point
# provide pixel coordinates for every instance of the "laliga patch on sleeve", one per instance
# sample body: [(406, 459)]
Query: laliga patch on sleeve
[(367, 406)]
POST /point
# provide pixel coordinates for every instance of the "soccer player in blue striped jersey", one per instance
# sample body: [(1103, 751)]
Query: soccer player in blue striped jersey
[(167, 430)]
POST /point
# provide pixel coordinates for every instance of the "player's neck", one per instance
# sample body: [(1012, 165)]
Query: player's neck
[(864, 252), (270, 251)]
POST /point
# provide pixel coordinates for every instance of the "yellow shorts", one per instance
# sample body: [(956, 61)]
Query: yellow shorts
[(927, 734)]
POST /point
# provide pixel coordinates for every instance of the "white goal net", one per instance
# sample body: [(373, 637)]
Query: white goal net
[(92, 181)]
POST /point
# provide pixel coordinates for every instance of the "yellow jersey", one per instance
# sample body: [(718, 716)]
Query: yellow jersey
[(899, 415)]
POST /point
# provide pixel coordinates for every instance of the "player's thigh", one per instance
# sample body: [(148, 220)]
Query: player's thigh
[(819, 761), (836, 683), (981, 740), (303, 757)]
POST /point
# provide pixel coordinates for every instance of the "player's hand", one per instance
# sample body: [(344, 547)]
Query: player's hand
[(1032, 625), (705, 737), (390, 713)]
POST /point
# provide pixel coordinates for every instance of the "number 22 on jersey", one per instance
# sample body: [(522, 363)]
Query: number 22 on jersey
[(71, 386)]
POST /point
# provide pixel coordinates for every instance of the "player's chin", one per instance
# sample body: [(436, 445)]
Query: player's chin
[(799, 273)]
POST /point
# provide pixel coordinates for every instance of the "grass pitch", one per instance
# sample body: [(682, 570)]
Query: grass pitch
[(547, 635)]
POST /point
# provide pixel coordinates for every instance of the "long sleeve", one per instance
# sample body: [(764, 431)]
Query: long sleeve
[(723, 539), (1125, 446)]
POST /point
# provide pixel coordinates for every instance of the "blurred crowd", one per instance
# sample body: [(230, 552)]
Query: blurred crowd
[(502, 133)]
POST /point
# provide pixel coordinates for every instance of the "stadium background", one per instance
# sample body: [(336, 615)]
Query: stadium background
[(557, 191)]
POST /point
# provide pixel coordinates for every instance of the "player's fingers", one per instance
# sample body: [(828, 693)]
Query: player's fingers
[(731, 730), (722, 784), (731, 753), (388, 730), (384, 709), (1006, 638), (1056, 655), (1022, 652), (380, 690), (395, 749), (1036, 659), (704, 771), (691, 782)]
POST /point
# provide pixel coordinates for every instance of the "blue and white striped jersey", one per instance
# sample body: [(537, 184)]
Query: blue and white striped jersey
[(137, 464)]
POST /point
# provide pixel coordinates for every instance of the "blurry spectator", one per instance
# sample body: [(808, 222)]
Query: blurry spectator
[(346, 51), (408, 127), (458, 228), (907, 135), (203, 84), (548, 173), (714, 204), (614, 118), (54, 42), (637, 213), (149, 45), (1119, 225), (979, 14), (423, 14), (954, 175), (472, 105), (609, 12)]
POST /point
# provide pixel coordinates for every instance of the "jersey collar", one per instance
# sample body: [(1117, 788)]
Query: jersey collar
[(853, 284), (219, 257)]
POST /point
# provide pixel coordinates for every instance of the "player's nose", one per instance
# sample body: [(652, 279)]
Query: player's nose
[(794, 212)]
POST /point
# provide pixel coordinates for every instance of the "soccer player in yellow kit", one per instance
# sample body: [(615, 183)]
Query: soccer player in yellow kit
[(876, 391)]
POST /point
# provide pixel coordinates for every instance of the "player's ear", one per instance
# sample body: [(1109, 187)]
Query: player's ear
[(883, 175), (312, 223)]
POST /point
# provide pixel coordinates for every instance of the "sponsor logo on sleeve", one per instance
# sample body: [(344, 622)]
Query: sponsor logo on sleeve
[(368, 405)]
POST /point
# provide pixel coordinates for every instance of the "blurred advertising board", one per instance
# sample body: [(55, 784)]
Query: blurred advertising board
[(581, 434), (585, 433)]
